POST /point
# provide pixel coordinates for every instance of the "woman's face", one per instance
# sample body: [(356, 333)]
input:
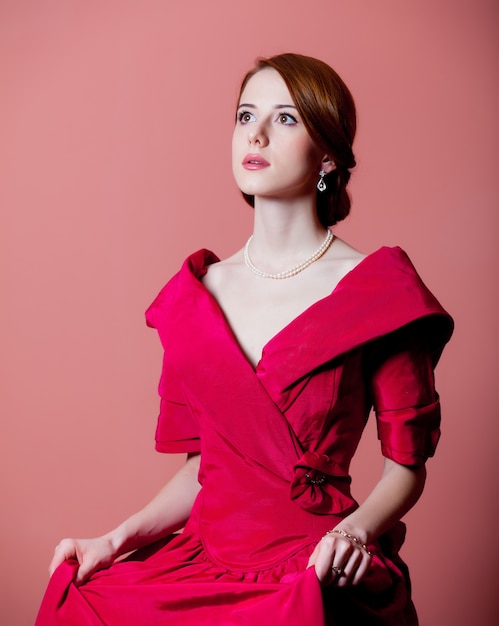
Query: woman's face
[(273, 155)]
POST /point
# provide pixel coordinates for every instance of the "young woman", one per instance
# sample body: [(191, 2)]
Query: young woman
[(273, 360)]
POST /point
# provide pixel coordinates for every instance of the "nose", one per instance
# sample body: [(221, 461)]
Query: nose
[(257, 135)]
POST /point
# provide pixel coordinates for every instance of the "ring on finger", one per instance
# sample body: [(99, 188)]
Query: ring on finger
[(338, 571)]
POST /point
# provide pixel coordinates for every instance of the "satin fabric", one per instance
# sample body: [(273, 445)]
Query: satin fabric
[(276, 442)]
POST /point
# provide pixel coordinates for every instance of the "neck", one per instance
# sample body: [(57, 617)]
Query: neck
[(285, 232)]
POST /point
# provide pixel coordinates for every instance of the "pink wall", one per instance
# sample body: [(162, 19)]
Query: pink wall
[(108, 112)]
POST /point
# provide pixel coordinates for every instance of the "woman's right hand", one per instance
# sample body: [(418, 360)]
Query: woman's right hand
[(91, 554), (167, 512)]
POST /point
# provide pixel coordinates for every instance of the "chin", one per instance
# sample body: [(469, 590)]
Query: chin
[(249, 189)]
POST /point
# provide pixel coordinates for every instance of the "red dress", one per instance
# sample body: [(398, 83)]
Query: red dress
[(276, 443)]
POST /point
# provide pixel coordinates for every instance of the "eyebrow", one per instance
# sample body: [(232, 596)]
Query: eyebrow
[(276, 106)]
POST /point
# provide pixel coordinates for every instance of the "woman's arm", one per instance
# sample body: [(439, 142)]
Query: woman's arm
[(399, 368), (393, 496), (165, 513), (396, 493)]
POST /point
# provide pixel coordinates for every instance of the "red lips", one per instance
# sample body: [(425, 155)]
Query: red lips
[(254, 162)]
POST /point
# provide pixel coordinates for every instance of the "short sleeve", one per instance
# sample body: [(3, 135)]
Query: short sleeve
[(177, 429), (405, 401)]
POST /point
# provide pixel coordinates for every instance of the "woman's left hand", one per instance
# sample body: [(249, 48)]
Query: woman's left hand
[(339, 560)]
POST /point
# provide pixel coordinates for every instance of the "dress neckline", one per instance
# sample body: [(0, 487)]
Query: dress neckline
[(209, 257)]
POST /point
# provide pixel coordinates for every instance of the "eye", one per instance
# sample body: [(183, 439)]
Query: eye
[(287, 118), (244, 117)]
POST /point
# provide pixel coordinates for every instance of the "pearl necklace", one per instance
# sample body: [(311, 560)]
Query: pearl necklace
[(296, 269)]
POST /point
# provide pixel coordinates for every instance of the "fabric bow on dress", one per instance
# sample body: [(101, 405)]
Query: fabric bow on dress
[(320, 485)]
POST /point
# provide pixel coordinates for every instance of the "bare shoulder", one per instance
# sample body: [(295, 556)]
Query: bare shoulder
[(223, 272), (347, 253), (344, 257)]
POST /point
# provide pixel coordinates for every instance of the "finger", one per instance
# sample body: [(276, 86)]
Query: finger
[(336, 573), (64, 551), (54, 564), (322, 570), (323, 557), (85, 570), (340, 572), (339, 565), (337, 560), (362, 569), (313, 556), (90, 562), (350, 568)]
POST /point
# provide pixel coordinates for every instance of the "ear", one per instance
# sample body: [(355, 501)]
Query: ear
[(327, 164)]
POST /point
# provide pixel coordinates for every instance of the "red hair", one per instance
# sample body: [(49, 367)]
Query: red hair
[(327, 109)]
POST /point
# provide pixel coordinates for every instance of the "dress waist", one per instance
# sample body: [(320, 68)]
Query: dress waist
[(247, 520)]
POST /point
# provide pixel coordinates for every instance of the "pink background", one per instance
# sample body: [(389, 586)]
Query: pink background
[(115, 125)]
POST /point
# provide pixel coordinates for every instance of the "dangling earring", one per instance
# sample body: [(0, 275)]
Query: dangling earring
[(321, 185)]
